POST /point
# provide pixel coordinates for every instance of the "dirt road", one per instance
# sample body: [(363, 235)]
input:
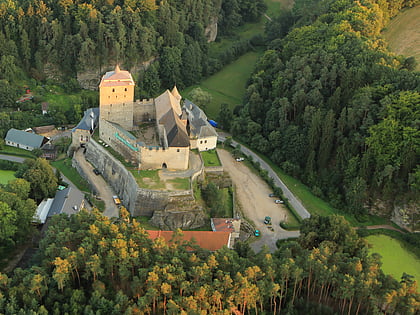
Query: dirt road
[(252, 193)]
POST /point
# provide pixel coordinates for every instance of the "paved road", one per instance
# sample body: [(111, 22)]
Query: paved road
[(19, 159), (296, 204), (12, 158), (101, 187)]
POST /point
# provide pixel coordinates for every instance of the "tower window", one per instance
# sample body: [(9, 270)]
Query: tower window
[(125, 89), (113, 90)]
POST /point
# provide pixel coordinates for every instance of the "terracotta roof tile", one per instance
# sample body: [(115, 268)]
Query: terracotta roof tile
[(205, 239)]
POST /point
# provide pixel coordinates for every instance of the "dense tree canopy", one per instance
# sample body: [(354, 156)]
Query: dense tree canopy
[(87, 264), (331, 105)]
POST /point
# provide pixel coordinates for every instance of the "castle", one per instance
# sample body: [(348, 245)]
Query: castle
[(151, 133)]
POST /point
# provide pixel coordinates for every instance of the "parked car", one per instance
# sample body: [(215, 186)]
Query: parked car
[(117, 200), (271, 195), (96, 171), (257, 233), (267, 220), (278, 201), (240, 159)]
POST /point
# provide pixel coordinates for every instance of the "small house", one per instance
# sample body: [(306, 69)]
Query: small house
[(24, 140)]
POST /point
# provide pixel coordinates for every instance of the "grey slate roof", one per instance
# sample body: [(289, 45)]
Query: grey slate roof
[(24, 138), (86, 122), (199, 126), (65, 200)]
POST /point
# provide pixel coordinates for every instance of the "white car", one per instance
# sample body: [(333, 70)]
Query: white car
[(278, 201), (239, 159)]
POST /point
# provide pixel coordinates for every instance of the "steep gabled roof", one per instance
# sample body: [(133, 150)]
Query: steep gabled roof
[(176, 94), (24, 138), (205, 239), (165, 102), (199, 125), (176, 132), (86, 122)]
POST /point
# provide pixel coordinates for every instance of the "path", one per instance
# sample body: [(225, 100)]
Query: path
[(101, 187), (252, 193), (296, 204), (384, 226), (12, 158)]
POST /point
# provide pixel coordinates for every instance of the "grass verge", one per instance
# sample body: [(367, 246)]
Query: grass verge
[(71, 173), (8, 150)]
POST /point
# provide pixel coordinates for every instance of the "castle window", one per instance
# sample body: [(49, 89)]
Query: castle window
[(205, 141), (125, 89), (81, 138), (113, 90), (201, 142), (177, 150)]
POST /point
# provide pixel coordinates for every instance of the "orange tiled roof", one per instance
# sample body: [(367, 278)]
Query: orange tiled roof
[(223, 224), (116, 77), (205, 239)]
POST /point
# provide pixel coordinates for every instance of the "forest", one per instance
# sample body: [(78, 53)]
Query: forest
[(49, 42), (332, 106), (88, 264)]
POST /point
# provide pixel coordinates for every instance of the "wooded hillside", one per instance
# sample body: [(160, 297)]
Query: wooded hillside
[(330, 105)]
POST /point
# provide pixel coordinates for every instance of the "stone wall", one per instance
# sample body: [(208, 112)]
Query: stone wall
[(144, 110), (137, 200)]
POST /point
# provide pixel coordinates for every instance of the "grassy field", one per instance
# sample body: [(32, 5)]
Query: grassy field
[(71, 173), (403, 34), (179, 183), (210, 158), (148, 179), (5, 176), (228, 85), (395, 258)]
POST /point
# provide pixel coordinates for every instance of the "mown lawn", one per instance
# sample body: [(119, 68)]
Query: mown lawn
[(5, 176), (210, 158), (403, 35), (395, 258), (228, 85)]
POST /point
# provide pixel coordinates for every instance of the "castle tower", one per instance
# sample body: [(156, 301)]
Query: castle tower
[(116, 97)]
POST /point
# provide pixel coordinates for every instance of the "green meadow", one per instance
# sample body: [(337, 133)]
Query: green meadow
[(395, 258), (228, 85), (402, 34), (5, 176)]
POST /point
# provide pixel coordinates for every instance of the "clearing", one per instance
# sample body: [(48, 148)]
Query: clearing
[(227, 85), (403, 34), (5, 176), (395, 258)]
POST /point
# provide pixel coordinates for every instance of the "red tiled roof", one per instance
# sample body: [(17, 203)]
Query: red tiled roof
[(205, 239), (223, 224)]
